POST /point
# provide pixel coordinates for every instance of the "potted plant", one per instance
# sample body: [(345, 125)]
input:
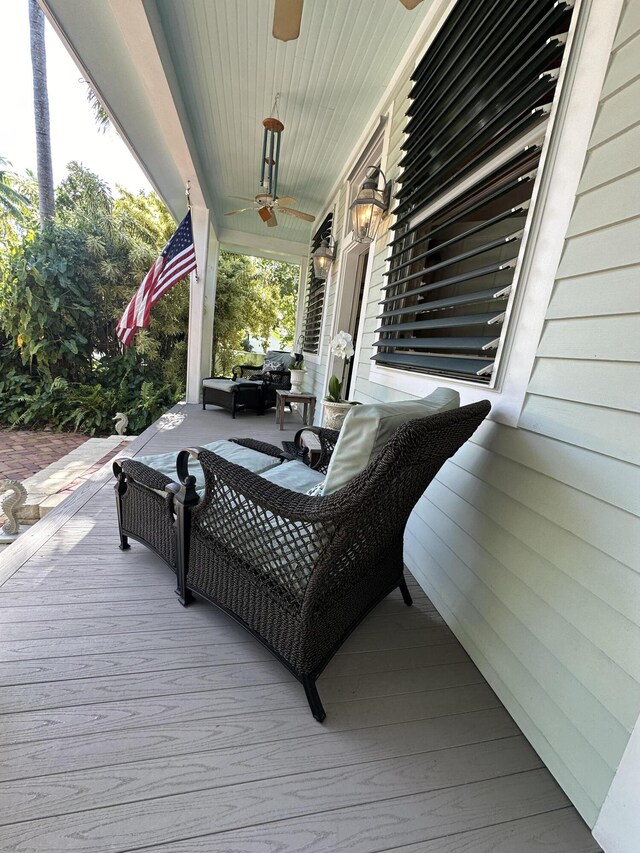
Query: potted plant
[(334, 406), (297, 374)]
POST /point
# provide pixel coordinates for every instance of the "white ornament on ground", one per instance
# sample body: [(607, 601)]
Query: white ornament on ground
[(15, 496), (122, 422)]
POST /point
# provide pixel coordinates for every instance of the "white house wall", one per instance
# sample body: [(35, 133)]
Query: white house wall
[(527, 541)]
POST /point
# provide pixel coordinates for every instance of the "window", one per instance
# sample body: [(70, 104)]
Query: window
[(480, 102), (314, 303)]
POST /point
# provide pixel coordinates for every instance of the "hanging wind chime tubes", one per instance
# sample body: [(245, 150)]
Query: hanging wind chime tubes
[(273, 127)]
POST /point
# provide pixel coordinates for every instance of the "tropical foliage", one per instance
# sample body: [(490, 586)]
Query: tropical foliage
[(62, 291), (255, 298)]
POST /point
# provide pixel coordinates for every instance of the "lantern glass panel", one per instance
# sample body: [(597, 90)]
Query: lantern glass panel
[(366, 213)]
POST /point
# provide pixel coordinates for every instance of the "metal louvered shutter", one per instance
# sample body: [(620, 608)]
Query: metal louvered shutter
[(314, 301), (479, 109)]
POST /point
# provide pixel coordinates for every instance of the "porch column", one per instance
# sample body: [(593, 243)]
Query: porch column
[(201, 304)]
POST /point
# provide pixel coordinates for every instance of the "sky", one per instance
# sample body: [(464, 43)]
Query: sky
[(74, 133)]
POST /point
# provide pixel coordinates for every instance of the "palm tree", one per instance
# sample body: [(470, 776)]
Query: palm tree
[(100, 115), (41, 110), (11, 201)]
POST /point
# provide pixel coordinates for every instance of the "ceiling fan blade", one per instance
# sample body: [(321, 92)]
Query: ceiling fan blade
[(242, 198), (264, 213), (286, 200), (410, 4), (306, 216), (286, 19), (242, 210), (271, 222)]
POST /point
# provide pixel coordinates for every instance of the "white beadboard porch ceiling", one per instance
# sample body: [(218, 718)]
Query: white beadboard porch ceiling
[(228, 69)]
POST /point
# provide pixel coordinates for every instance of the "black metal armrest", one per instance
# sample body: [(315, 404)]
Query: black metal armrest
[(143, 474)]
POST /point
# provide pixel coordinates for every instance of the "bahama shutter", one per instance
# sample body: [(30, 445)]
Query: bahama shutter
[(314, 303), (480, 102)]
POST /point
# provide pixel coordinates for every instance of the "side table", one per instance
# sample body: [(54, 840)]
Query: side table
[(285, 397)]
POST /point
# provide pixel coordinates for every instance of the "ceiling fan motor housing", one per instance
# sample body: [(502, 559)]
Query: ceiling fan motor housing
[(264, 199)]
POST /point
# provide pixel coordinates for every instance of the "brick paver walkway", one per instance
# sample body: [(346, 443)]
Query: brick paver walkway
[(25, 452)]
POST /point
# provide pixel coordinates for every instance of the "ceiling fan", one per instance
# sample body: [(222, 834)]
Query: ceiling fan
[(267, 202), (288, 14), (267, 206)]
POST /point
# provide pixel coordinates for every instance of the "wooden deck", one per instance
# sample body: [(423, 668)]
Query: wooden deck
[(132, 723)]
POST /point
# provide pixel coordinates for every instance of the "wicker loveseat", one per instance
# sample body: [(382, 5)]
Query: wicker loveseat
[(251, 387), (298, 571)]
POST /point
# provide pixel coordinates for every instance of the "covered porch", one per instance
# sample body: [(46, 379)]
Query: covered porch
[(526, 542), (130, 722)]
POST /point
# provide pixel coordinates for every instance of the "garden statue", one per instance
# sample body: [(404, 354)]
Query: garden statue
[(122, 422), (10, 504)]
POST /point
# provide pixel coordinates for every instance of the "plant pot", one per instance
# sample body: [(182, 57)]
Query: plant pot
[(297, 380), (333, 414)]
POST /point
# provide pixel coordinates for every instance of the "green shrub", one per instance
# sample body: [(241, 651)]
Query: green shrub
[(62, 292)]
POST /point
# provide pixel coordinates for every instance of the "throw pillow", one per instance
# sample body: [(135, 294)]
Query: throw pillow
[(367, 429)]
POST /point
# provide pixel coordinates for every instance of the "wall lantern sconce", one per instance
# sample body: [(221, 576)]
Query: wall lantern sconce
[(369, 206), (323, 257)]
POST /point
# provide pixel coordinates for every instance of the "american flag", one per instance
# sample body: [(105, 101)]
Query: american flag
[(178, 259)]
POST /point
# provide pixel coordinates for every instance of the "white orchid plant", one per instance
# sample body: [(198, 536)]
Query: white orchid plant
[(342, 347)]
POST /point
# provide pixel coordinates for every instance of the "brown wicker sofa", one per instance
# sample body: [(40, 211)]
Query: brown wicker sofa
[(298, 572)]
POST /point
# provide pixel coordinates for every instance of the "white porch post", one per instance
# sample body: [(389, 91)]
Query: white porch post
[(200, 305), (213, 254)]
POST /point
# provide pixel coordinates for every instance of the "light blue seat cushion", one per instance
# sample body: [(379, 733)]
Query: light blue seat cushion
[(367, 429), (294, 475), (227, 384), (253, 460)]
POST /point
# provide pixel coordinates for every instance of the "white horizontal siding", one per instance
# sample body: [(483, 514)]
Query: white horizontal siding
[(612, 202), (618, 157), (598, 294), (528, 540)]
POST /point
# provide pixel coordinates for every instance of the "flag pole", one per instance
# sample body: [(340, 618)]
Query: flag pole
[(188, 195)]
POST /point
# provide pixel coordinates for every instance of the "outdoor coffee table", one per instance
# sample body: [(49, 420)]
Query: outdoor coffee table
[(283, 398)]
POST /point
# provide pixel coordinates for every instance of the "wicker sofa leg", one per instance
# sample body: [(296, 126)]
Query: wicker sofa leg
[(121, 488), (313, 698), (404, 589)]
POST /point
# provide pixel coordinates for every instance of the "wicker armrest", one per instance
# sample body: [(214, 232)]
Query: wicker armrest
[(327, 438), (282, 502), (247, 371), (143, 474), (260, 446), (279, 379)]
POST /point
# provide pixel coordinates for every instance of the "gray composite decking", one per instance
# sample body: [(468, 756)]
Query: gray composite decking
[(131, 723)]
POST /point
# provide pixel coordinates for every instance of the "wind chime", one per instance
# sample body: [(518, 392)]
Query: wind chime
[(273, 128)]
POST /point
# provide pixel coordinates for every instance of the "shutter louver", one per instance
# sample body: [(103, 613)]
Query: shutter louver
[(487, 82), (314, 302)]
